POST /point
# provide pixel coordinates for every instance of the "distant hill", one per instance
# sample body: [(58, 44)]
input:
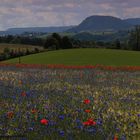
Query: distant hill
[(101, 23), (106, 37), (83, 36), (94, 23), (133, 21), (14, 31)]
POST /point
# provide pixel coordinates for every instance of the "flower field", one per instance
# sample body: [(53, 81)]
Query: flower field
[(83, 103)]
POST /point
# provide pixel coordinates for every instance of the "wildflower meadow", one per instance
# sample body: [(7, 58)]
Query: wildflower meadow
[(69, 103)]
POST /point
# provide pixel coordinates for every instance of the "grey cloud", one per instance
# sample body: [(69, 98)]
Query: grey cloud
[(61, 12)]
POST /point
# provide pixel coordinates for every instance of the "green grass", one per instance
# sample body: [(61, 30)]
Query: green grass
[(83, 57)]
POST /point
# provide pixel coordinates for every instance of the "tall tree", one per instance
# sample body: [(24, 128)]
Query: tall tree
[(66, 43), (51, 43), (134, 40), (117, 44), (58, 38)]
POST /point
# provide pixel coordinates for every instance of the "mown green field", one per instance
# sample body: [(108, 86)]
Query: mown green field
[(83, 57)]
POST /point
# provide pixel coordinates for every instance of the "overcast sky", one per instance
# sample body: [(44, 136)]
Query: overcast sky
[(27, 13)]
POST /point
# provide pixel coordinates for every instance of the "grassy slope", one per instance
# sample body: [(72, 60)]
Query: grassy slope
[(83, 57)]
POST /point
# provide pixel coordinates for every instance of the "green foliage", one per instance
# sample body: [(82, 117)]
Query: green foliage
[(51, 43), (117, 44), (21, 40), (55, 42), (134, 40), (66, 43), (58, 38)]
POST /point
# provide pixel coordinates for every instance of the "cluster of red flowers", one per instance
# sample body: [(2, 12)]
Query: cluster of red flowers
[(87, 101), (61, 66), (10, 114), (89, 122), (42, 121)]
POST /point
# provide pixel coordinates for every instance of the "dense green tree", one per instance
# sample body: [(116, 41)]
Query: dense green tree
[(58, 38), (66, 43), (9, 38), (55, 41), (16, 40), (51, 43), (100, 43), (134, 40), (117, 44)]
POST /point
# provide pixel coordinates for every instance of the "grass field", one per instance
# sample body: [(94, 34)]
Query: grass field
[(83, 57), (17, 46)]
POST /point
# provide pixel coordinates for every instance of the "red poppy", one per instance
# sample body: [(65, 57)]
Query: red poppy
[(89, 122), (115, 138), (87, 110), (10, 114), (23, 94), (86, 123), (44, 121), (33, 111), (92, 122), (86, 101)]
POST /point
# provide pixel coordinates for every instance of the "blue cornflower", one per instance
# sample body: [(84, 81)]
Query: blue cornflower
[(78, 121), (52, 123), (123, 137), (31, 128), (117, 129), (61, 133), (99, 121), (80, 127), (61, 117), (79, 110), (91, 130)]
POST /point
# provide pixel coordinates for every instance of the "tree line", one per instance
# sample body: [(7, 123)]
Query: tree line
[(22, 40), (56, 42)]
